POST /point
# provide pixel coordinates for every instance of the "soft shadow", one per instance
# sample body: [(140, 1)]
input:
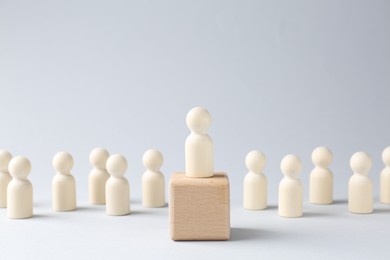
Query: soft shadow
[(380, 211), (92, 208), (39, 216), (272, 207), (239, 234), (338, 202), (314, 214)]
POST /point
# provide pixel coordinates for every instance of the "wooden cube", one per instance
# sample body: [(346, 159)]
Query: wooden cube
[(199, 208)]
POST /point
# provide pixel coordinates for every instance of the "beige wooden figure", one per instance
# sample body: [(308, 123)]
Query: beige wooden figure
[(63, 184), (19, 190), (199, 154), (385, 177), (5, 177), (290, 188), (321, 178), (360, 196), (98, 176), (153, 182), (117, 187), (255, 182)]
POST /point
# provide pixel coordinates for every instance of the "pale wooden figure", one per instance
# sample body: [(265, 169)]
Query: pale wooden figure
[(385, 177), (63, 184), (290, 188), (19, 190), (199, 154), (321, 178), (199, 208), (153, 182), (117, 187), (5, 177), (255, 182), (98, 176), (360, 194)]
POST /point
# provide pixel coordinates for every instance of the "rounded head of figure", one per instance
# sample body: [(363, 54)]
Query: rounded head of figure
[(152, 160), (291, 166), (19, 167), (98, 158), (116, 165), (322, 157), (385, 156), (5, 158), (255, 161), (360, 163), (198, 120), (63, 162)]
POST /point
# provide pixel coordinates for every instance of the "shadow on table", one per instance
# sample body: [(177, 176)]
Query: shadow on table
[(240, 234)]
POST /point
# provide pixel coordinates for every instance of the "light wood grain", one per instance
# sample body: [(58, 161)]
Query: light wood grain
[(199, 208)]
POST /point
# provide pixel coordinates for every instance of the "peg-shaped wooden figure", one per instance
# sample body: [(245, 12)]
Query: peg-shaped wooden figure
[(19, 190), (117, 187), (98, 176), (385, 177), (199, 153), (255, 182), (290, 188), (63, 184), (321, 178), (153, 182), (5, 177), (360, 196), (199, 201)]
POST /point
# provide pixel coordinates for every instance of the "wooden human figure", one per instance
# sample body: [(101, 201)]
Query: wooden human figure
[(199, 154), (290, 188), (98, 176), (117, 187), (321, 178), (5, 177), (153, 182), (385, 177), (19, 190), (255, 182), (360, 195), (63, 184)]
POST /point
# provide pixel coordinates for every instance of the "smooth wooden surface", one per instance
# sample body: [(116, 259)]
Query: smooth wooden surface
[(199, 208)]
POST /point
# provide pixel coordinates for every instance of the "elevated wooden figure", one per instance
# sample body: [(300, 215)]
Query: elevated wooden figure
[(199, 201)]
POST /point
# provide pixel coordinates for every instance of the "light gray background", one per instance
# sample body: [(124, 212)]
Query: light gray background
[(278, 76)]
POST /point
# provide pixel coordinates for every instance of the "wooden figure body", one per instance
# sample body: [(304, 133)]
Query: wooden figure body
[(19, 190), (199, 153), (153, 182), (98, 176), (360, 194), (5, 177), (385, 177), (321, 178), (117, 187), (255, 182), (291, 188), (63, 184)]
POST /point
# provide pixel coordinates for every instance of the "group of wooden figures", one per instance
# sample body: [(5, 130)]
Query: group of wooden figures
[(360, 187), (199, 198), (107, 184)]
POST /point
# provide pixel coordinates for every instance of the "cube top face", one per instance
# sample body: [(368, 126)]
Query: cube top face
[(199, 208)]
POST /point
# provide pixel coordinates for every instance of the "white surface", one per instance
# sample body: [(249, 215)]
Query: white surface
[(324, 232)]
